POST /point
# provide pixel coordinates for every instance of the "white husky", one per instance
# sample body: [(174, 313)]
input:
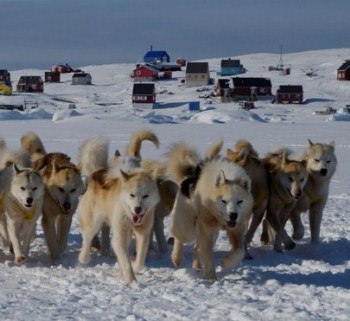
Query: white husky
[(20, 208), (123, 198)]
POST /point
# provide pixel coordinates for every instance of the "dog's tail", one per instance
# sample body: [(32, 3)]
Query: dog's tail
[(32, 144), (133, 149), (93, 155), (214, 150), (182, 162), (243, 146)]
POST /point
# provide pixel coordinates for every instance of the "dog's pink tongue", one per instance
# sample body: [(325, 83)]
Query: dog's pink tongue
[(136, 218)]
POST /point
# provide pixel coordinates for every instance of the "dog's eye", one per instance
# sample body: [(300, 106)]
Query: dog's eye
[(23, 188), (316, 160), (73, 190), (328, 162), (302, 179), (225, 202), (132, 195), (239, 202), (35, 188), (61, 189), (290, 179), (145, 196)]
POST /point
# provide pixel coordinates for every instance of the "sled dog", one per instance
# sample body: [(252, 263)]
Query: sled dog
[(218, 198), (123, 197), (321, 164), (246, 156), (287, 180), (63, 187), (21, 200)]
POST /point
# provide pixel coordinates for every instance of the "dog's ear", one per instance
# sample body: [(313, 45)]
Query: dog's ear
[(220, 179), (55, 167), (284, 159), (246, 183), (16, 170), (332, 144), (310, 142), (42, 171), (230, 154), (125, 176)]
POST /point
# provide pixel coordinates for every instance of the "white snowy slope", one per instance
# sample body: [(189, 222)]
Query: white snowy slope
[(307, 283)]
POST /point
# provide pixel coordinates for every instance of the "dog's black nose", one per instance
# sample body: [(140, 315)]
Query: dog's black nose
[(66, 206), (138, 209), (233, 216), (324, 171), (29, 200)]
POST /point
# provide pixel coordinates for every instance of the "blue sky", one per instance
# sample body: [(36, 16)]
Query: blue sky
[(39, 33)]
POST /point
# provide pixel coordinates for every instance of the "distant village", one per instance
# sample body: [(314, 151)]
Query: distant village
[(229, 86)]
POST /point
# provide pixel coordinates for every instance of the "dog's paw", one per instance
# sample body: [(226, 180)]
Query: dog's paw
[(20, 260), (289, 246)]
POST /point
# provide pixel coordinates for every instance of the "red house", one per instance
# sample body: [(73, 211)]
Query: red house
[(289, 94), (51, 76), (251, 88), (144, 73), (30, 84), (343, 72), (143, 95)]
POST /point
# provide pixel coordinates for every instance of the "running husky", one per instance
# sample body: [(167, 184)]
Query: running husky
[(321, 164), (21, 201), (215, 196), (124, 197), (63, 187), (287, 180)]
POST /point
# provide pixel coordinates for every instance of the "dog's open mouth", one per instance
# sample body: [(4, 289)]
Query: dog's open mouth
[(137, 218), (231, 223)]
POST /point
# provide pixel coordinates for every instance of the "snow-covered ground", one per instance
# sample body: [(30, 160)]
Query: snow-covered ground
[(308, 283)]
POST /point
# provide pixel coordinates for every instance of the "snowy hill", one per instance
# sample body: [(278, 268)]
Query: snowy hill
[(308, 283)]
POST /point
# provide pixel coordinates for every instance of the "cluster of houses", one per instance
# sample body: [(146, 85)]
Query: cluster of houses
[(230, 86)]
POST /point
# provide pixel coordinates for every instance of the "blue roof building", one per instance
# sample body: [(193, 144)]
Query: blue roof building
[(156, 56)]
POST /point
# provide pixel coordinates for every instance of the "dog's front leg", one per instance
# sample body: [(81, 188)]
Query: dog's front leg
[(315, 216), (121, 237), (13, 230), (237, 251), (64, 223), (177, 254), (206, 243), (50, 236), (142, 241), (28, 233)]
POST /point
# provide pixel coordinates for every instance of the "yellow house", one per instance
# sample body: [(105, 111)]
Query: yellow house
[(5, 90)]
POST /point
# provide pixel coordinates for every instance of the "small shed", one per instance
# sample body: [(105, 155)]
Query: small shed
[(251, 88), (81, 78), (343, 72), (231, 67), (143, 95), (197, 74), (5, 77), (156, 56), (30, 84), (289, 94), (52, 76), (144, 73), (223, 90)]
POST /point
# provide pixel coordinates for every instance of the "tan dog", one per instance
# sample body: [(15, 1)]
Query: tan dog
[(63, 187), (287, 181), (21, 201), (246, 156), (321, 164), (219, 198), (123, 197)]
